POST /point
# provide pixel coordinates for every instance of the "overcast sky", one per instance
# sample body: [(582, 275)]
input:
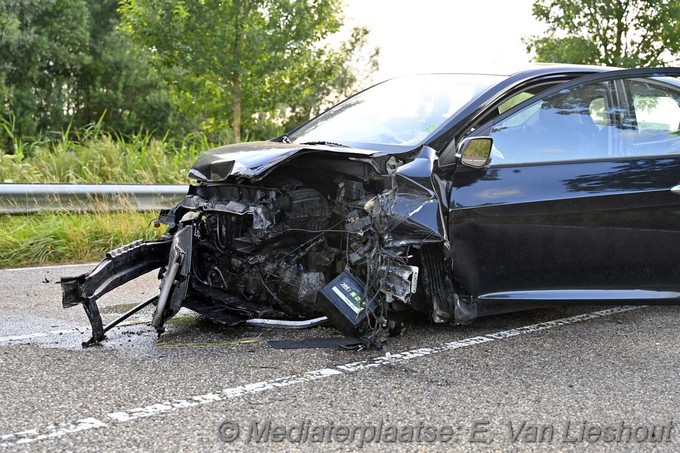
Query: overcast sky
[(418, 36)]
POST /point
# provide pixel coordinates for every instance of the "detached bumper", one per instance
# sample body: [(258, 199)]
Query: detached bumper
[(120, 266)]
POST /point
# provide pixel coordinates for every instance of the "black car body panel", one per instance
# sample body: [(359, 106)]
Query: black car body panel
[(574, 222), (578, 202), (593, 224)]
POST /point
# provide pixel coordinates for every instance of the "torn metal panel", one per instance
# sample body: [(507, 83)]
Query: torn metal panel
[(253, 160), (175, 279), (120, 266), (415, 213)]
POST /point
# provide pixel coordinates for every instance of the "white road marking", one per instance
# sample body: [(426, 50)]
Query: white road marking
[(123, 416), (35, 335), (33, 435)]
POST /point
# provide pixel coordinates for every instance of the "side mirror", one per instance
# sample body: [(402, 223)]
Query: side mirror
[(475, 152)]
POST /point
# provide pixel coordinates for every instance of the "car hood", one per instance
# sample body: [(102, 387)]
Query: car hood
[(255, 159)]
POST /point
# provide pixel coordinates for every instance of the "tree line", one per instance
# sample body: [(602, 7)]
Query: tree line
[(618, 33), (245, 69), (232, 69)]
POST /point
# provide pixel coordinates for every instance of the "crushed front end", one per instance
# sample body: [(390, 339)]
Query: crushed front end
[(294, 232)]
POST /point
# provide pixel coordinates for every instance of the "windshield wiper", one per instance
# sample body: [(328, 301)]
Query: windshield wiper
[(327, 143)]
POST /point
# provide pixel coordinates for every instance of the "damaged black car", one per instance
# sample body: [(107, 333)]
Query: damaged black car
[(449, 195)]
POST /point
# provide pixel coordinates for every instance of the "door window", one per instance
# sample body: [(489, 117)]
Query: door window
[(569, 125), (585, 122), (655, 117)]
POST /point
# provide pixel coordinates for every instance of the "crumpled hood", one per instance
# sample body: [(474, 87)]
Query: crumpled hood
[(255, 159)]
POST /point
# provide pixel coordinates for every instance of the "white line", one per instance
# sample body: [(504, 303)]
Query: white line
[(28, 336), (56, 266), (52, 431), (33, 435)]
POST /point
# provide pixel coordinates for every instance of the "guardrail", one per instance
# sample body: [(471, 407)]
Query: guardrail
[(32, 198)]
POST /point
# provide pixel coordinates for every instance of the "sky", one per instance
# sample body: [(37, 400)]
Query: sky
[(417, 36)]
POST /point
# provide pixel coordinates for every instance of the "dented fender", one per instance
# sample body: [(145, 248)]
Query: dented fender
[(416, 214)]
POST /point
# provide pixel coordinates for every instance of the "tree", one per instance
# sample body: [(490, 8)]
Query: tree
[(64, 64), (627, 33), (117, 81), (43, 44), (245, 65)]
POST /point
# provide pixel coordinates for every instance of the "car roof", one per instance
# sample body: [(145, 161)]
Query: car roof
[(528, 70), (538, 69), (517, 72)]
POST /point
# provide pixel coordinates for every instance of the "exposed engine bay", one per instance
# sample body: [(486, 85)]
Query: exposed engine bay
[(359, 240)]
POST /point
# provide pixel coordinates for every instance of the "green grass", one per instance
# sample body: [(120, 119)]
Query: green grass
[(59, 238), (95, 157)]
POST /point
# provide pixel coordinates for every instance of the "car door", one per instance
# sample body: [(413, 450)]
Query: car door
[(581, 199)]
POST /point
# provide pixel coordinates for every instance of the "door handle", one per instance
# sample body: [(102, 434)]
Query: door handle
[(676, 189)]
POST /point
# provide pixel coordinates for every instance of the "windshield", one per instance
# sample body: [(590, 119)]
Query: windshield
[(401, 111)]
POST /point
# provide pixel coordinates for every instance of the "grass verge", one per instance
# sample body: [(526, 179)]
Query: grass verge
[(95, 157), (67, 238)]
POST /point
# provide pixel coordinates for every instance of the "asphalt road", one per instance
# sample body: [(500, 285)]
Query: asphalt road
[(552, 379)]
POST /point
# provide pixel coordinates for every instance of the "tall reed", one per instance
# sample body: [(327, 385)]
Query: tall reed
[(94, 156)]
